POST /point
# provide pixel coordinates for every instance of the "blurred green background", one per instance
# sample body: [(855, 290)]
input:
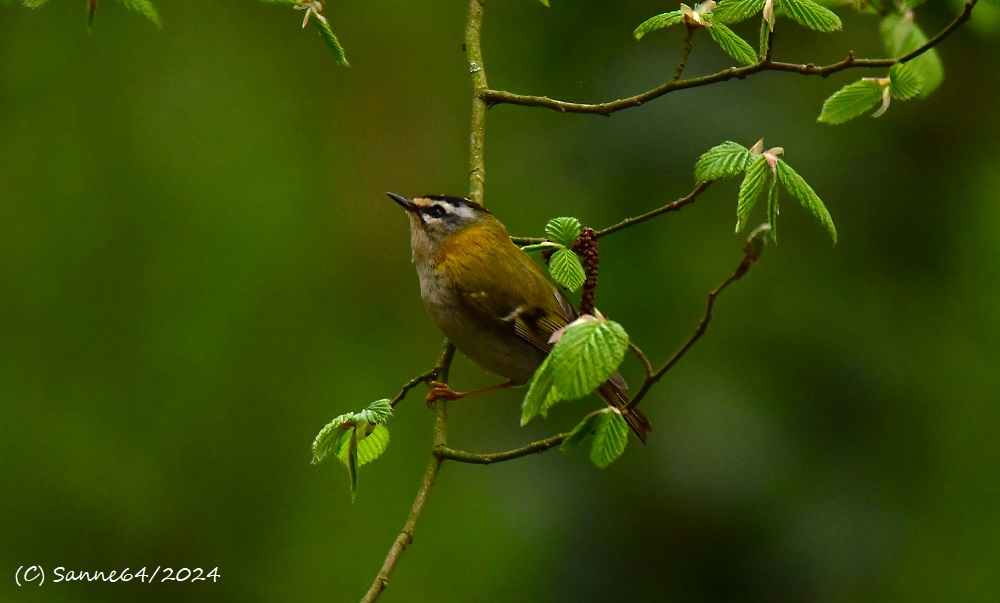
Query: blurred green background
[(199, 269)]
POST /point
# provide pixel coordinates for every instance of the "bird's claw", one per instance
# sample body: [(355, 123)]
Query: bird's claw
[(440, 390)]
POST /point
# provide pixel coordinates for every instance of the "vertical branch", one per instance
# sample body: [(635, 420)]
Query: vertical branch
[(405, 537), (477, 129)]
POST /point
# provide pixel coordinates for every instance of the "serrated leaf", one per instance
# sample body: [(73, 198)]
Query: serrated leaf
[(610, 438), (751, 189), (583, 429), (541, 394), (734, 11), (330, 439), (812, 15), (587, 355), (563, 231), (377, 412), (904, 83), (144, 8), (800, 189), (901, 36), (331, 41), (851, 101), (372, 446), (722, 161), (734, 45), (772, 207), (566, 269), (658, 22)]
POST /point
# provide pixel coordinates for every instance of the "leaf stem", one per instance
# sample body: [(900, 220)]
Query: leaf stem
[(498, 97), (684, 53)]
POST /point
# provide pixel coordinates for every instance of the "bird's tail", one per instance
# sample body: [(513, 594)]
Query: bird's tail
[(613, 392)]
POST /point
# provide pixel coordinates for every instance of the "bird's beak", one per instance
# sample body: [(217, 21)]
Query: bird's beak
[(403, 201)]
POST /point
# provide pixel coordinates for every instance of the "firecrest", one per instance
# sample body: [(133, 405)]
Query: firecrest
[(489, 298)]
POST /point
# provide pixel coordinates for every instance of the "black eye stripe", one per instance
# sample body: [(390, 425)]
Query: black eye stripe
[(434, 211)]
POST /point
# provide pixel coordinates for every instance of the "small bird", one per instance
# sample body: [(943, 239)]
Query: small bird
[(489, 298)]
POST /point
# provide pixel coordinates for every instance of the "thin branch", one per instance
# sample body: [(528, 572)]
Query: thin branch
[(672, 206), (653, 377), (646, 364), (461, 456), (497, 97), (684, 53), (405, 537)]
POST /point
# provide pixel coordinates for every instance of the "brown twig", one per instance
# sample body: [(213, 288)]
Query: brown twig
[(672, 206), (461, 456), (498, 97), (688, 46), (405, 537), (653, 376)]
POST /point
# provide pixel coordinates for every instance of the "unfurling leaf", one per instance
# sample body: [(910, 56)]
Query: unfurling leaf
[(812, 15), (144, 8), (658, 22), (800, 189), (610, 438), (751, 189), (330, 439), (734, 45), (587, 355), (331, 41), (904, 83), (356, 438), (734, 11), (727, 159), (583, 429), (566, 269), (541, 395), (563, 230), (851, 101), (901, 36)]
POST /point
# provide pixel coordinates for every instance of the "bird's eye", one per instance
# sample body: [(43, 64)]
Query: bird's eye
[(436, 211)]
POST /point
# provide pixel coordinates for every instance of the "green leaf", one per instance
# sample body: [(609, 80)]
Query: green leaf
[(734, 11), (772, 207), (545, 3), (902, 36), (904, 83), (851, 101), (331, 41), (377, 412), (801, 190), (583, 429), (727, 159), (34, 3), (563, 230), (658, 22), (373, 445), (331, 438), (587, 355), (541, 394), (566, 269), (750, 190), (349, 456), (812, 15), (144, 8), (610, 438), (734, 45)]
